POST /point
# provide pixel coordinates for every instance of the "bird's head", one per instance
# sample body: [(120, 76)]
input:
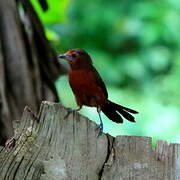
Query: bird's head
[(77, 58)]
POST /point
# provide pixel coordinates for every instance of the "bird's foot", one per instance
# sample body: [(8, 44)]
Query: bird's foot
[(78, 108), (69, 111), (100, 129)]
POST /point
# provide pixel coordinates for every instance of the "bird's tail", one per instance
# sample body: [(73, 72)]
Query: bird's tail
[(115, 112)]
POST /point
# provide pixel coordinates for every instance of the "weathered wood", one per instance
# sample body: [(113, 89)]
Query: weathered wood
[(61, 144), (28, 65)]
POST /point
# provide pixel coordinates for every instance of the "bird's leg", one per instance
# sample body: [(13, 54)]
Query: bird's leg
[(78, 108), (100, 127), (79, 104), (73, 110)]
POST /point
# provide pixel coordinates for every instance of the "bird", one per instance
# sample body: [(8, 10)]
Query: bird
[(89, 88)]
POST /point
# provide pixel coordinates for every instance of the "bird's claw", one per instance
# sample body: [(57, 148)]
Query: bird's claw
[(78, 108), (100, 129), (69, 111)]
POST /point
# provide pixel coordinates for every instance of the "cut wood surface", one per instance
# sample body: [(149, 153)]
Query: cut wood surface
[(60, 144)]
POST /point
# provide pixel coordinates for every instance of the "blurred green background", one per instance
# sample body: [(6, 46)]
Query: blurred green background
[(135, 46)]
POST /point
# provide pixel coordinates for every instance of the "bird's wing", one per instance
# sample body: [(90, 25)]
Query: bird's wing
[(99, 82)]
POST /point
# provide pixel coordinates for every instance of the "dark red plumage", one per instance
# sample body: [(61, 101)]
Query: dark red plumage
[(89, 89)]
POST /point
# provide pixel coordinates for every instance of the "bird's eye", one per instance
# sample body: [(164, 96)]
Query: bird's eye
[(74, 55)]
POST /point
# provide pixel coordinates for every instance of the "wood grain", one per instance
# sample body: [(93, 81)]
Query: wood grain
[(59, 143), (28, 64)]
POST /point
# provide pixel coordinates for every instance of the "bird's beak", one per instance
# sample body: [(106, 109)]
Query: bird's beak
[(64, 56)]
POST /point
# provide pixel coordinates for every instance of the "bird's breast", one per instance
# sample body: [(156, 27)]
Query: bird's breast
[(81, 81), (84, 87)]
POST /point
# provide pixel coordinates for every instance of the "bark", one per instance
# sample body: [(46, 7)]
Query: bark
[(28, 66), (61, 144)]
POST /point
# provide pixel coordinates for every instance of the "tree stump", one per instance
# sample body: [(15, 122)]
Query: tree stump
[(60, 144)]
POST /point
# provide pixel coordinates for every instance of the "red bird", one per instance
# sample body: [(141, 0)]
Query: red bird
[(90, 90)]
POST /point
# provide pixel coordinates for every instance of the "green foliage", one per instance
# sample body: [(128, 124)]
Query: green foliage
[(135, 47), (55, 13)]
